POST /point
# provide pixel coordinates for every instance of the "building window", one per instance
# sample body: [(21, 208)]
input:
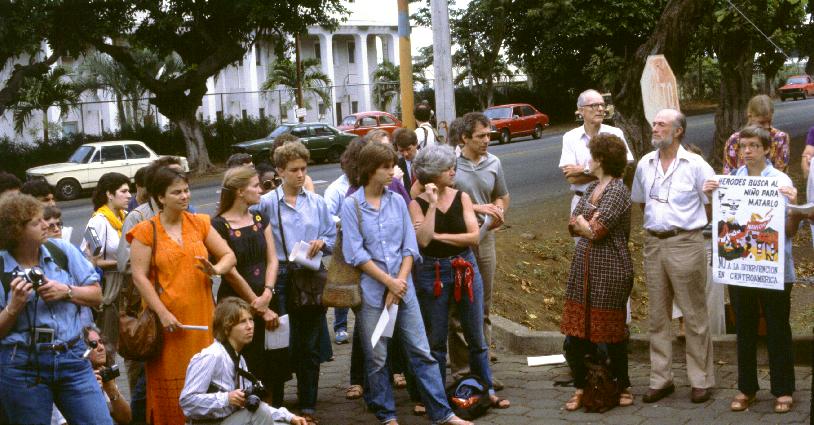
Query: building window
[(283, 112), (69, 127), (354, 107), (258, 55), (351, 52), (262, 112), (318, 52), (321, 109), (244, 114)]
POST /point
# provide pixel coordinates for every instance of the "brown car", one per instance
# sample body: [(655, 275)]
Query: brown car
[(515, 120)]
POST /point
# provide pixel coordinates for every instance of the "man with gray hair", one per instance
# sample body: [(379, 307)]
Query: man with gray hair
[(575, 155), (669, 185)]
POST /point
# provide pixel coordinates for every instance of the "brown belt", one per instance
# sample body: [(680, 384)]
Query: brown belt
[(666, 234)]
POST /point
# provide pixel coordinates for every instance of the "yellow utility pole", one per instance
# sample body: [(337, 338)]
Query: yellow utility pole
[(405, 66)]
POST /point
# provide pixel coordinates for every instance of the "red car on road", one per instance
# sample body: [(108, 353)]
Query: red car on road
[(800, 86), (362, 123), (516, 119)]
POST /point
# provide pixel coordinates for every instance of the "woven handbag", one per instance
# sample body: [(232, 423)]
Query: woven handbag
[(343, 289)]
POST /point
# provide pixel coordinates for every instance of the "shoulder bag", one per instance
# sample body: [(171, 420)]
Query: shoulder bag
[(304, 286), (140, 332), (343, 289)]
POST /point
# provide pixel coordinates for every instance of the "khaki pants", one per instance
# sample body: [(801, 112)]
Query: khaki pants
[(676, 269), (486, 257), (262, 416)]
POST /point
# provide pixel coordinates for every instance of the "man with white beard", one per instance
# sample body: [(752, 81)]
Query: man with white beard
[(668, 183)]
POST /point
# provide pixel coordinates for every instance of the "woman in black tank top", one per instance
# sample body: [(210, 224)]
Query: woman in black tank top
[(446, 229)]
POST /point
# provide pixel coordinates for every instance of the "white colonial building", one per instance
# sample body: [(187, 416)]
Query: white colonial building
[(348, 56)]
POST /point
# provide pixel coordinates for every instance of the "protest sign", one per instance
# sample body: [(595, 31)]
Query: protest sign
[(748, 216)]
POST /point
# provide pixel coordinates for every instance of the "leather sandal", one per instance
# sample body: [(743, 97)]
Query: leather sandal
[(354, 392), (625, 398), (419, 409), (575, 402), (783, 406), (454, 420), (399, 381), (500, 403), (741, 402)]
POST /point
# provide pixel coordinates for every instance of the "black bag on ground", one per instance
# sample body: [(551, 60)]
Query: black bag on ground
[(601, 391), (468, 397)]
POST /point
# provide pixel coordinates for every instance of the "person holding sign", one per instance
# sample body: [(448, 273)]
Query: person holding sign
[(754, 147), (668, 182)]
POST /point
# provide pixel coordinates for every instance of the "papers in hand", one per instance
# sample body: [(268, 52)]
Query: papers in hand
[(279, 337), (66, 233), (194, 327), (805, 209), (544, 360), (299, 255), (484, 228), (386, 324)]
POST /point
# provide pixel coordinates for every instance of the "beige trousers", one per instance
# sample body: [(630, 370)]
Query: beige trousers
[(676, 269)]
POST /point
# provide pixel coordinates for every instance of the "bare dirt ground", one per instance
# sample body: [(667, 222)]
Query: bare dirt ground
[(534, 252)]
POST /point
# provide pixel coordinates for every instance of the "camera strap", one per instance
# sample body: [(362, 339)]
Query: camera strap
[(239, 373)]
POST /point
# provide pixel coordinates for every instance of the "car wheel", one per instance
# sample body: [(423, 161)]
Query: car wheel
[(782, 98), (538, 132), (505, 136), (804, 96), (334, 154), (68, 189)]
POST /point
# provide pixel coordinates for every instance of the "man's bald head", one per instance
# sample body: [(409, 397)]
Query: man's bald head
[(588, 97)]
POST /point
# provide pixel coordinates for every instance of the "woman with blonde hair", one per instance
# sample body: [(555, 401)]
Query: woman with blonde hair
[(254, 277), (759, 113)]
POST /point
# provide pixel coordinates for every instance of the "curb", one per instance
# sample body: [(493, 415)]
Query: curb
[(518, 339)]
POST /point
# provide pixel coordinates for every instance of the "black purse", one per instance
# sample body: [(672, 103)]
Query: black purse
[(304, 286)]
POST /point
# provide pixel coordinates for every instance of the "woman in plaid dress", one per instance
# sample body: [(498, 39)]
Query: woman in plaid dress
[(601, 270)]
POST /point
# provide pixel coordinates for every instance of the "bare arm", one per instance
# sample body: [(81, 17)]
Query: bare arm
[(808, 153), (470, 238), (220, 250), (19, 292), (424, 224)]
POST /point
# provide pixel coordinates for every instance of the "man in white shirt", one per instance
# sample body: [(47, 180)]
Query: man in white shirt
[(669, 185), (214, 389), (424, 131), (575, 153)]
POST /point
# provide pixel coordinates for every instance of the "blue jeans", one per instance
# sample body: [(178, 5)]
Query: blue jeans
[(306, 331), (340, 319), (435, 311), (64, 379), (379, 391)]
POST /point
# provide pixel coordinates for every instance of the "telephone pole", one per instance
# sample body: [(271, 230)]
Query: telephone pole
[(298, 60), (405, 66), (442, 63)]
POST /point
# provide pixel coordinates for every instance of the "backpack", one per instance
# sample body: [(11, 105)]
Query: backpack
[(468, 397), (601, 391), (439, 140)]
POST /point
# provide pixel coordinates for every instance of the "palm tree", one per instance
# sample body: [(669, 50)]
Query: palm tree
[(314, 81), (40, 93), (386, 83)]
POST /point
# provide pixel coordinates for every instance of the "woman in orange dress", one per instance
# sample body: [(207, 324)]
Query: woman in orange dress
[(184, 243)]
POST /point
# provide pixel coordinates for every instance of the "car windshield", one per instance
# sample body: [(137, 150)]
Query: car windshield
[(498, 113), (279, 131), (349, 120), (796, 80), (81, 155)]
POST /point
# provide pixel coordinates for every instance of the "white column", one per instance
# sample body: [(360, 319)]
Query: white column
[(326, 43), (211, 100), (393, 42), (364, 72), (251, 81)]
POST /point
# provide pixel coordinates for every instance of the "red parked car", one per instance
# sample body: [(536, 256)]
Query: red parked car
[(362, 123), (797, 86), (516, 119)]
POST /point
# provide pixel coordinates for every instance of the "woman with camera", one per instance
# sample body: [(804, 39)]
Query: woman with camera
[(46, 285), (172, 251), (106, 372), (253, 279), (110, 200), (218, 391), (298, 215)]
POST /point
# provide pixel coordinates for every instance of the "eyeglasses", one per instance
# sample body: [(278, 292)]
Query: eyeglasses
[(595, 106), (655, 191), (55, 226)]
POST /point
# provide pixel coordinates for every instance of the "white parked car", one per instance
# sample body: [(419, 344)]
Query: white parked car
[(90, 161)]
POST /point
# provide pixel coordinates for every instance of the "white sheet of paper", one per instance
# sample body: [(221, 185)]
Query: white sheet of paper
[(484, 228), (279, 337), (194, 327), (386, 324), (544, 360), (299, 255), (802, 209), (66, 233)]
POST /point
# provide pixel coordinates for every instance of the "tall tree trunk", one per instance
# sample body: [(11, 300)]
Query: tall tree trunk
[(123, 123), (197, 153), (677, 25), (735, 60), (45, 125)]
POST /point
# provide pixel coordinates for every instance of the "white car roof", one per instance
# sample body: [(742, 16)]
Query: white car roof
[(114, 142)]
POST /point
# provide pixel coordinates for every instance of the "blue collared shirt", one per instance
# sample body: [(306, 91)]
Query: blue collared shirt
[(308, 220), (782, 180), (64, 317), (387, 237)]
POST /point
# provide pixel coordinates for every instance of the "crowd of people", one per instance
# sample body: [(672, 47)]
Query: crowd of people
[(417, 214), (673, 184)]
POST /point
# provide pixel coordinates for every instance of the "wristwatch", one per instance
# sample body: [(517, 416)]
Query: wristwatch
[(70, 292)]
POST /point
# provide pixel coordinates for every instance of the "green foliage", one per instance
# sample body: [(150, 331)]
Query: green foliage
[(387, 83), (710, 79), (41, 92), (284, 73)]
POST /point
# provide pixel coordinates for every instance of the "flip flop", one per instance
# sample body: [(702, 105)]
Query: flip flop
[(783, 406), (741, 402)]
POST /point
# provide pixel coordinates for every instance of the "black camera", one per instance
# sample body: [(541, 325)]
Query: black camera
[(109, 373), (254, 395), (34, 276), (270, 184)]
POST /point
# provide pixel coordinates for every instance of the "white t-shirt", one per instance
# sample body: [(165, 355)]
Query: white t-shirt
[(575, 149), (425, 135), (107, 235)]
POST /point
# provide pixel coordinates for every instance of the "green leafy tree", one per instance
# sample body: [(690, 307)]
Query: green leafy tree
[(387, 85), (40, 93), (315, 82)]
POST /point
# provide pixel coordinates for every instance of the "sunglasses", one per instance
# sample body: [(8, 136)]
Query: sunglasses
[(270, 184), (55, 226)]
